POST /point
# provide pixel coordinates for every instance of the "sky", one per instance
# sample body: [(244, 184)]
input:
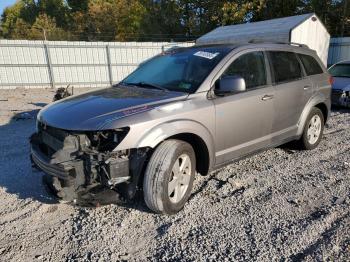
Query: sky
[(5, 3)]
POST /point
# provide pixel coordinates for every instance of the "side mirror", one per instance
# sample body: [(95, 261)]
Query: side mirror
[(229, 85)]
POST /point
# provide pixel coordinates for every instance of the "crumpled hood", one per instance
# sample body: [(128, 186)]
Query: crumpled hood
[(91, 111)]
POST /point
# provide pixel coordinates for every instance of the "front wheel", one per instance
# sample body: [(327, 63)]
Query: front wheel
[(313, 130), (169, 176)]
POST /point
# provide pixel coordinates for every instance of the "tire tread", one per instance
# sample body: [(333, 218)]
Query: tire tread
[(153, 183), (150, 184)]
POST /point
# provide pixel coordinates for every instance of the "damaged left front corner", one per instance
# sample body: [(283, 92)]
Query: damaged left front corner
[(79, 163)]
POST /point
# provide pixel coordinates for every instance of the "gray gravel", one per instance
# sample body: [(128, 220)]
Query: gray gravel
[(281, 204)]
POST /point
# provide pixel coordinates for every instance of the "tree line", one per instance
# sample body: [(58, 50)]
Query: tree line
[(154, 20)]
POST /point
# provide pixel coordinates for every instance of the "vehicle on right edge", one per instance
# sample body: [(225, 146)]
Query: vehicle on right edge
[(340, 83)]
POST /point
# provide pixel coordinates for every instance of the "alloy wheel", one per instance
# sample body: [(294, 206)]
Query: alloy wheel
[(180, 178), (314, 129)]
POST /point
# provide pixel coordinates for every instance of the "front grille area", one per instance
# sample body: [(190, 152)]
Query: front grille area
[(51, 141), (60, 134), (73, 162), (43, 162)]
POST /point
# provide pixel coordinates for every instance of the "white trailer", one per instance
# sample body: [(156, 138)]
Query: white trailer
[(303, 29)]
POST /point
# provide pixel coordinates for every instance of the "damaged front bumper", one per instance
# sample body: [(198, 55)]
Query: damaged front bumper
[(64, 171), (76, 171), (341, 97)]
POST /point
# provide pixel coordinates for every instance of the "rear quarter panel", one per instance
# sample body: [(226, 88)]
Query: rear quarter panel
[(321, 95)]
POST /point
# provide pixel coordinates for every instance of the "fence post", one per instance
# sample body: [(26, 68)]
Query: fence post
[(49, 64), (109, 64)]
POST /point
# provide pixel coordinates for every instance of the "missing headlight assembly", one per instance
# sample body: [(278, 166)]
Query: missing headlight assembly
[(83, 167)]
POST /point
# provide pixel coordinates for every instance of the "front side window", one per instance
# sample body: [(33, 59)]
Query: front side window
[(285, 65), (340, 70), (311, 65), (181, 70), (251, 67)]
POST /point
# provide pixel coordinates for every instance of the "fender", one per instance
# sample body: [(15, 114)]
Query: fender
[(154, 136), (313, 101)]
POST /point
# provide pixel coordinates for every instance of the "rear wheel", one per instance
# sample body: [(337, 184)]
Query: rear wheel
[(169, 176), (313, 130)]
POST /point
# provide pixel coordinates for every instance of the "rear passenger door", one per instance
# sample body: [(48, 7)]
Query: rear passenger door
[(291, 88), (314, 72)]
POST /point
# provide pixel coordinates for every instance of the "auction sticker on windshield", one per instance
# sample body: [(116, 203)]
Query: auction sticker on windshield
[(206, 55)]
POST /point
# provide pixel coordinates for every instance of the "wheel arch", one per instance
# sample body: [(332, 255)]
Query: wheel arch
[(192, 132), (324, 110), (318, 101), (200, 149)]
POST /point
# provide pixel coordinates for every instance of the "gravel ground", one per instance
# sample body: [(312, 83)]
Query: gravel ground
[(278, 205)]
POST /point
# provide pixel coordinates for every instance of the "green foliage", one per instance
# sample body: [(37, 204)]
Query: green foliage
[(46, 25), (109, 20), (10, 20), (78, 5), (152, 20)]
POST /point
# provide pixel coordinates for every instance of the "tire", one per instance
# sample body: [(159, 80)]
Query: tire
[(168, 168), (305, 142)]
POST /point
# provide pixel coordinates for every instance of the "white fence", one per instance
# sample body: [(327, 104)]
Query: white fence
[(339, 50), (56, 63), (59, 63)]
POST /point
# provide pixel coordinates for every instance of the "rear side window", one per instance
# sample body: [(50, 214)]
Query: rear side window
[(310, 64), (286, 66), (251, 67)]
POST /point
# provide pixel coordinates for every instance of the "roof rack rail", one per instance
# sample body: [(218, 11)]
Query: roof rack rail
[(298, 44), (170, 46), (255, 41)]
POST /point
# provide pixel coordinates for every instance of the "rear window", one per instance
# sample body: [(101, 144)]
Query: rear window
[(310, 64), (340, 70), (285, 65)]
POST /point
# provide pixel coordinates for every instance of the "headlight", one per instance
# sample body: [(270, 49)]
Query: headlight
[(107, 140)]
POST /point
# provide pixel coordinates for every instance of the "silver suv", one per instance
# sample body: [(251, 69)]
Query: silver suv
[(184, 112)]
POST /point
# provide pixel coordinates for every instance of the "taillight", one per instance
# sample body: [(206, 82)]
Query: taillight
[(331, 80)]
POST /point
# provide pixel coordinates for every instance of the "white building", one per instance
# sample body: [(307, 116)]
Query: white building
[(303, 29)]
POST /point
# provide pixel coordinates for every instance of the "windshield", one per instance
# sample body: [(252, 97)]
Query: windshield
[(178, 70), (340, 70)]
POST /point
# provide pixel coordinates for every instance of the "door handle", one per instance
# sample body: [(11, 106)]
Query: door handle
[(306, 87), (267, 97)]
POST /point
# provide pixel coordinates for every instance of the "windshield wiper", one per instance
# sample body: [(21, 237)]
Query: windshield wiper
[(145, 85)]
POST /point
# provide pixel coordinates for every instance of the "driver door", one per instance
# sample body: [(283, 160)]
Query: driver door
[(244, 120)]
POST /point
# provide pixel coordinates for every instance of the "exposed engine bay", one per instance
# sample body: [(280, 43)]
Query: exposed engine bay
[(81, 167)]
